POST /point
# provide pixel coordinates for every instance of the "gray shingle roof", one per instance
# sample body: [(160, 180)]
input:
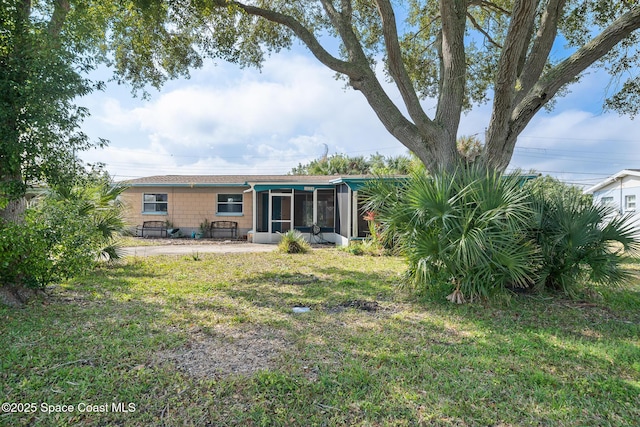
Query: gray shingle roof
[(226, 180)]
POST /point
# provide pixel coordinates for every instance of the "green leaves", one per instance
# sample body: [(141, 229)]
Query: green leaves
[(580, 242), (63, 235), (376, 164), (484, 232), (293, 242), (466, 227), (39, 121)]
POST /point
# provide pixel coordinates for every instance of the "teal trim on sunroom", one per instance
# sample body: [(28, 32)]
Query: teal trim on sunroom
[(355, 184), (265, 187)]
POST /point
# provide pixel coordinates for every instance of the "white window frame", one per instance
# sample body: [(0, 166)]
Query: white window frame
[(146, 200), (607, 200), (230, 203), (630, 202)]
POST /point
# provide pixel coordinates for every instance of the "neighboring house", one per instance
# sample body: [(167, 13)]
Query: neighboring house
[(621, 191), (323, 208)]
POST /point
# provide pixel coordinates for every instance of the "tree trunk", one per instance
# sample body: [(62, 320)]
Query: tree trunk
[(14, 211)]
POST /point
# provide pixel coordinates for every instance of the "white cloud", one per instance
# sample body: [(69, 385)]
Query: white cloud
[(578, 146), (227, 121), (268, 122)]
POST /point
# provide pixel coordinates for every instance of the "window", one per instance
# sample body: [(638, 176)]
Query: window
[(155, 203), (607, 201), (630, 202), (229, 204)]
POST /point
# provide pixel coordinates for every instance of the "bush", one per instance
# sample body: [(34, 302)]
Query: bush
[(98, 203), (62, 235), (50, 246), (580, 242), (467, 228), (370, 247), (293, 242), (480, 232)]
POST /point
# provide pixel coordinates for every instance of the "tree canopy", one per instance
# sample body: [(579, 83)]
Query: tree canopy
[(42, 67), (517, 55), (341, 164)]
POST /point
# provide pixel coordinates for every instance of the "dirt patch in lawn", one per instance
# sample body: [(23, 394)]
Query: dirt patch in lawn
[(228, 352), (361, 305)]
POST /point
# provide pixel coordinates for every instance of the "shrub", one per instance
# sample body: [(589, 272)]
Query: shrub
[(580, 242), (480, 232), (293, 242), (62, 235), (467, 228), (51, 245), (355, 248), (98, 203), (370, 247)]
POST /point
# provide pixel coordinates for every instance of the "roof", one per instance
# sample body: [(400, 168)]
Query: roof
[(613, 178), (235, 180)]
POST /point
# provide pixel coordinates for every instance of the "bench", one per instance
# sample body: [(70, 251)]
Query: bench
[(160, 226), (230, 226)]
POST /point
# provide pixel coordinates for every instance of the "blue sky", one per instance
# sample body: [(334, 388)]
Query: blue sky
[(227, 120)]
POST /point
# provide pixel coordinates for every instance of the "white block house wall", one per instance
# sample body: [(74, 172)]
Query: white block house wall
[(621, 191)]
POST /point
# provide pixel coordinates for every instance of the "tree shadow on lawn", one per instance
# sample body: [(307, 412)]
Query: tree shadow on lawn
[(584, 346), (476, 361), (325, 287), (535, 369)]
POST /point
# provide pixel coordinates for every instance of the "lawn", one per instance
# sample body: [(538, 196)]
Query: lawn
[(214, 340)]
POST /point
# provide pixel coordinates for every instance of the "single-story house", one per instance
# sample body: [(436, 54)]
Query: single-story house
[(323, 208), (621, 191)]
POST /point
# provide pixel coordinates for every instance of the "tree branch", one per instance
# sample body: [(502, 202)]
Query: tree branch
[(484, 33), (549, 84), (360, 75), (515, 42), (61, 9), (489, 5), (343, 23), (396, 65), (538, 57), (424, 27), (453, 65), (304, 35)]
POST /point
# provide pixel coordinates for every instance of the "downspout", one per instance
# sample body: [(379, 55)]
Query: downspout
[(254, 211), (350, 211), (621, 208)]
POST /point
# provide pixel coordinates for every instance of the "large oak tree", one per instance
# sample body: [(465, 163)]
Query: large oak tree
[(516, 54)]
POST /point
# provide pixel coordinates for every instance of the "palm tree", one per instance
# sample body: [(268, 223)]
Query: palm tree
[(466, 228), (100, 203), (580, 242)]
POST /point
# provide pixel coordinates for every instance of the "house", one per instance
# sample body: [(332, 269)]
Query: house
[(622, 191), (323, 208)]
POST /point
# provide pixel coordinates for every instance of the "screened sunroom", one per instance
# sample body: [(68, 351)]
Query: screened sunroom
[(279, 208)]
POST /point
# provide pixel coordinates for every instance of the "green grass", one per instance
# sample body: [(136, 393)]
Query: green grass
[(172, 335), (130, 241)]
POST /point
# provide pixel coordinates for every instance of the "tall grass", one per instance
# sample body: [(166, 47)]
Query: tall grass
[(292, 242)]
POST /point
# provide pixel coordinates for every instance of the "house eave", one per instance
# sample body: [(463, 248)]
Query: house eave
[(623, 173), (189, 185)]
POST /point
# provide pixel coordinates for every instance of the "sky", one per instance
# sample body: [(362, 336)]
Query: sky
[(225, 120)]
